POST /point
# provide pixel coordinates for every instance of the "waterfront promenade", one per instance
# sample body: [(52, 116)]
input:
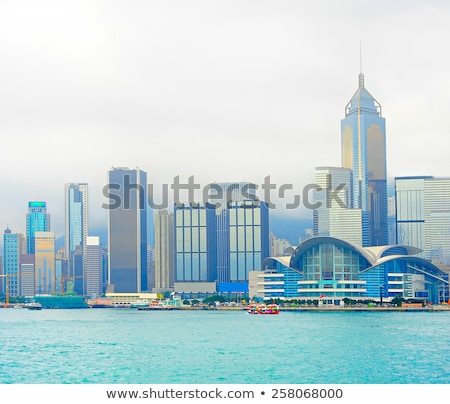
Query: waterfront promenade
[(331, 308)]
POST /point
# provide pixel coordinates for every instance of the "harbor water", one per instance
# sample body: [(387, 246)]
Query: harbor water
[(160, 347)]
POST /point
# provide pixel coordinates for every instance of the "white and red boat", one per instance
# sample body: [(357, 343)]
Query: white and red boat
[(263, 309)]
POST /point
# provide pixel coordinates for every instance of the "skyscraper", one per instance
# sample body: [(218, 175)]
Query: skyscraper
[(335, 216), (423, 216), (246, 242), (37, 220), (410, 211), (127, 229), (243, 242), (195, 243), (93, 265), (76, 220), (224, 240), (44, 262), (27, 275), (437, 220), (150, 266), (363, 137), (61, 271), (164, 266), (13, 247)]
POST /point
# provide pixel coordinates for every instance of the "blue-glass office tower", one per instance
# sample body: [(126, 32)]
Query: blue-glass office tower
[(243, 243), (12, 246), (222, 240), (423, 216), (410, 211), (363, 137), (37, 220), (127, 229), (76, 221), (195, 243)]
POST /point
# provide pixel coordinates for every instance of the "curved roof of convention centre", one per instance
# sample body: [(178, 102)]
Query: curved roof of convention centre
[(386, 250), (270, 262), (374, 256), (418, 264), (313, 241)]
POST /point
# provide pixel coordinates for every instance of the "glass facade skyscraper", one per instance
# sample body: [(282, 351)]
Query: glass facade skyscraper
[(195, 243), (363, 137), (44, 259), (127, 230), (76, 220), (335, 216), (37, 220), (245, 240), (12, 250), (224, 240), (410, 211), (437, 220), (242, 233), (423, 216)]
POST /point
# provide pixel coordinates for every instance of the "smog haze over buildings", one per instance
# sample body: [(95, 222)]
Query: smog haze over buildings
[(222, 91)]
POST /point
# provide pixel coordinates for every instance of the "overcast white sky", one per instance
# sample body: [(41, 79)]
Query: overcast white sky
[(222, 90)]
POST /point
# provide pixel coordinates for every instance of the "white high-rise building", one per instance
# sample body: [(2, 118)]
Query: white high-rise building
[(163, 253), (93, 265), (335, 217)]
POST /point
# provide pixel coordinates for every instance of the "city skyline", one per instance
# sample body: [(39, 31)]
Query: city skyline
[(179, 90)]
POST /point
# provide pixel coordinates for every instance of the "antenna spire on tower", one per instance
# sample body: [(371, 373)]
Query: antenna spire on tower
[(361, 75), (360, 57)]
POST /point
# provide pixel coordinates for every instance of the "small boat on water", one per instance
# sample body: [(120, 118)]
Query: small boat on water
[(160, 305), (263, 309), (100, 303), (142, 303), (33, 306)]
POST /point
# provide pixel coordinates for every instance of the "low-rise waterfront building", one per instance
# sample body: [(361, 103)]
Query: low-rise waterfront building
[(124, 299)]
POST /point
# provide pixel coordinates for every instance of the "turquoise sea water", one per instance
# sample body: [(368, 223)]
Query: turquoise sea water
[(131, 346)]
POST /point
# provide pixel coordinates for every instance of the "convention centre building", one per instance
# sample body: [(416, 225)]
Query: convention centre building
[(330, 269)]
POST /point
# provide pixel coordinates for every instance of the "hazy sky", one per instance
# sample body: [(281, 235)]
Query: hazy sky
[(222, 90)]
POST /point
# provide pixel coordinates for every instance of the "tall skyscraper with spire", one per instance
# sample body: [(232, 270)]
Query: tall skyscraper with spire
[(363, 140)]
